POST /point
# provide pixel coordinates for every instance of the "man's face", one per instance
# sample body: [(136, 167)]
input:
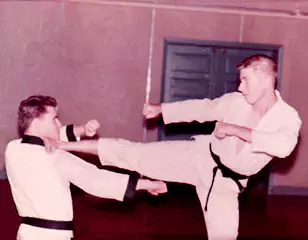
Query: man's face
[(50, 124), (251, 85)]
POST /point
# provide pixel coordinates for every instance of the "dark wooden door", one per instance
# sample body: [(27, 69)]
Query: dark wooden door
[(202, 69)]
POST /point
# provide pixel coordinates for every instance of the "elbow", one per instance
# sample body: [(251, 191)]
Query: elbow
[(283, 154), (286, 148)]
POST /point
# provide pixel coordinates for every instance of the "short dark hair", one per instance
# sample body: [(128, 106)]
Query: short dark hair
[(31, 108), (261, 61)]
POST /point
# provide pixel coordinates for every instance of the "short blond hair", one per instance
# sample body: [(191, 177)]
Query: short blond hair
[(260, 62)]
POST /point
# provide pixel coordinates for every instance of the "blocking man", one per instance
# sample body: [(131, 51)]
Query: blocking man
[(40, 181)]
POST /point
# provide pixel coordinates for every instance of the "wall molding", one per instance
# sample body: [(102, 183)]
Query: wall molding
[(288, 191), (3, 175), (295, 13)]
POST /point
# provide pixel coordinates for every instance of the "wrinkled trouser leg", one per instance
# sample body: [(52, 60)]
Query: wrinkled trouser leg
[(222, 216)]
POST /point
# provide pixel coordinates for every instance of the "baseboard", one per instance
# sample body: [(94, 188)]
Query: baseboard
[(288, 190), (3, 175)]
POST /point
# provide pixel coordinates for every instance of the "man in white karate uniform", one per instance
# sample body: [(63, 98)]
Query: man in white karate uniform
[(253, 126), (40, 181)]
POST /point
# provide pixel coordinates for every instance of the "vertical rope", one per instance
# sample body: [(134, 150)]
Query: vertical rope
[(149, 73), (148, 86)]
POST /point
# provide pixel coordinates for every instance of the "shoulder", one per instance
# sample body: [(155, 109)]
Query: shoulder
[(13, 144), (16, 149), (232, 96), (11, 150), (287, 108), (289, 113), (231, 99)]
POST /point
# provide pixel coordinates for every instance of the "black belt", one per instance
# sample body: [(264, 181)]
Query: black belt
[(226, 172), (50, 224)]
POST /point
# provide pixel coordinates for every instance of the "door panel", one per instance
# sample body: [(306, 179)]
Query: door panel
[(197, 70), (203, 69)]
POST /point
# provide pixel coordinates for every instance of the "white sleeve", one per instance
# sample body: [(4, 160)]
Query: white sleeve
[(201, 110), (279, 143), (95, 181)]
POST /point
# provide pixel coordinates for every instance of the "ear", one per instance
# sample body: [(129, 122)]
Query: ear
[(36, 123), (270, 82)]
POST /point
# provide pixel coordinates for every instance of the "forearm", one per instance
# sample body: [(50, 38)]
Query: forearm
[(85, 146), (95, 181), (191, 110), (243, 133)]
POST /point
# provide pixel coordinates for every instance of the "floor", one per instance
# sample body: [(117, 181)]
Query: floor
[(173, 216)]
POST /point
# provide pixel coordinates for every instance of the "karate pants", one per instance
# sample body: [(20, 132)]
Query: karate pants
[(184, 162), (26, 232)]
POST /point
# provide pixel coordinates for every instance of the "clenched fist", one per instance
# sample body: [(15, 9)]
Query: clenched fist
[(91, 127), (151, 110), (223, 130), (153, 187)]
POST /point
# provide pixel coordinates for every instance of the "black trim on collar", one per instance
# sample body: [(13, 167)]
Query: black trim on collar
[(32, 140)]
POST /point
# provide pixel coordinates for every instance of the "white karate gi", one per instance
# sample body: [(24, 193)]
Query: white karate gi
[(40, 185), (190, 162)]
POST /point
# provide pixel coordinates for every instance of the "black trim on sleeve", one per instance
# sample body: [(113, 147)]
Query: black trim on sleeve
[(131, 188), (70, 133)]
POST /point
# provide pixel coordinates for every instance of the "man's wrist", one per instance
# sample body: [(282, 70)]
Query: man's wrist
[(235, 130), (142, 184), (79, 131), (243, 133)]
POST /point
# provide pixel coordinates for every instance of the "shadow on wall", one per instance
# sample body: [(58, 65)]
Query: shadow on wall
[(4, 140)]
